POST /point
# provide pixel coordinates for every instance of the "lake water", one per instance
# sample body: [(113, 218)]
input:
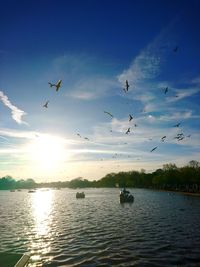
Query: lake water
[(158, 229)]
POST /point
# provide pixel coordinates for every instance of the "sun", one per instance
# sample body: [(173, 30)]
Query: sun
[(48, 152)]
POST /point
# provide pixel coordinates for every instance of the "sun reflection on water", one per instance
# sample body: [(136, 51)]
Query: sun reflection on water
[(41, 236)]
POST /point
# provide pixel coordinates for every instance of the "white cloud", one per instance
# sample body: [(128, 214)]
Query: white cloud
[(147, 63), (17, 134), (93, 87), (145, 66), (182, 93), (177, 116), (196, 80), (16, 112)]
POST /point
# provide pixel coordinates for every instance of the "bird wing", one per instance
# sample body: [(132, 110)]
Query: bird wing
[(46, 104), (59, 83), (51, 84), (108, 113), (153, 149)]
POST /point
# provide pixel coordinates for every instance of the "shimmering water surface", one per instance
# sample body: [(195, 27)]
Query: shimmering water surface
[(158, 229)]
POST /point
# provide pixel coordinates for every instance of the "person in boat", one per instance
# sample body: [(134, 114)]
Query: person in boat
[(124, 191)]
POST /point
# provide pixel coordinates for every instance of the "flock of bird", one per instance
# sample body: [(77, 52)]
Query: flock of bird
[(179, 136), (57, 86)]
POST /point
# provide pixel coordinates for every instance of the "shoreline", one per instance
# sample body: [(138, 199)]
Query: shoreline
[(178, 192)]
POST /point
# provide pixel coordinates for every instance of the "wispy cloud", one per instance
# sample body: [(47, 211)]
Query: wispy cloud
[(16, 112), (145, 66), (182, 93), (89, 88), (177, 116)]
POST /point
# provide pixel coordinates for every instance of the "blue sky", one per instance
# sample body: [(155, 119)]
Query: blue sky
[(94, 47)]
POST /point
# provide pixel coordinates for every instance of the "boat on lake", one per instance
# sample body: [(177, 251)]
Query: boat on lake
[(80, 195), (31, 191), (125, 196)]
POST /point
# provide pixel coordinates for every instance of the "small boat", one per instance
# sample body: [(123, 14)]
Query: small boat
[(31, 191), (23, 261), (125, 196), (80, 195)]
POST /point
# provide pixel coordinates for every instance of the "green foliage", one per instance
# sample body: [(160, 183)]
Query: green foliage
[(171, 177), (8, 182)]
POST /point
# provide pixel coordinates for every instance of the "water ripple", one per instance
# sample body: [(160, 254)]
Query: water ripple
[(158, 229)]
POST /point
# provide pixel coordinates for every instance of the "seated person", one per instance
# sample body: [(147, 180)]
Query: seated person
[(125, 191)]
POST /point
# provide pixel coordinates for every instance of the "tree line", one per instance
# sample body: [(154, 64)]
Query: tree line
[(170, 177)]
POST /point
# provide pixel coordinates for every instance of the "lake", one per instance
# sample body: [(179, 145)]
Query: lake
[(158, 229)]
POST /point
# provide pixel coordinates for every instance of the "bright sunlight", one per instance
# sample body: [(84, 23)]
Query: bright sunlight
[(48, 152)]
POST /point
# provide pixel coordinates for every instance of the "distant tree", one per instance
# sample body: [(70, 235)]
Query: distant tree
[(169, 167), (194, 164)]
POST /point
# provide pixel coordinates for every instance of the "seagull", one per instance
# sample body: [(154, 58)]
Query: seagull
[(46, 104), (128, 131), (153, 149), (108, 113), (180, 134), (176, 49), (126, 86), (79, 135), (177, 125), (130, 117), (57, 85), (86, 138), (135, 125), (166, 90), (163, 138)]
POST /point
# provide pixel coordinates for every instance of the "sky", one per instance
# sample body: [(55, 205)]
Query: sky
[(94, 47)]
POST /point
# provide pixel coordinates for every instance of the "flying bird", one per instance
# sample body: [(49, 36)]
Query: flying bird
[(180, 134), (166, 90), (79, 135), (86, 138), (153, 149), (135, 125), (175, 49), (57, 85), (130, 117), (163, 138), (108, 113), (177, 125), (126, 86), (128, 131), (46, 104)]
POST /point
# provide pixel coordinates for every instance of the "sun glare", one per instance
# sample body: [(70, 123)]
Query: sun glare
[(48, 152)]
